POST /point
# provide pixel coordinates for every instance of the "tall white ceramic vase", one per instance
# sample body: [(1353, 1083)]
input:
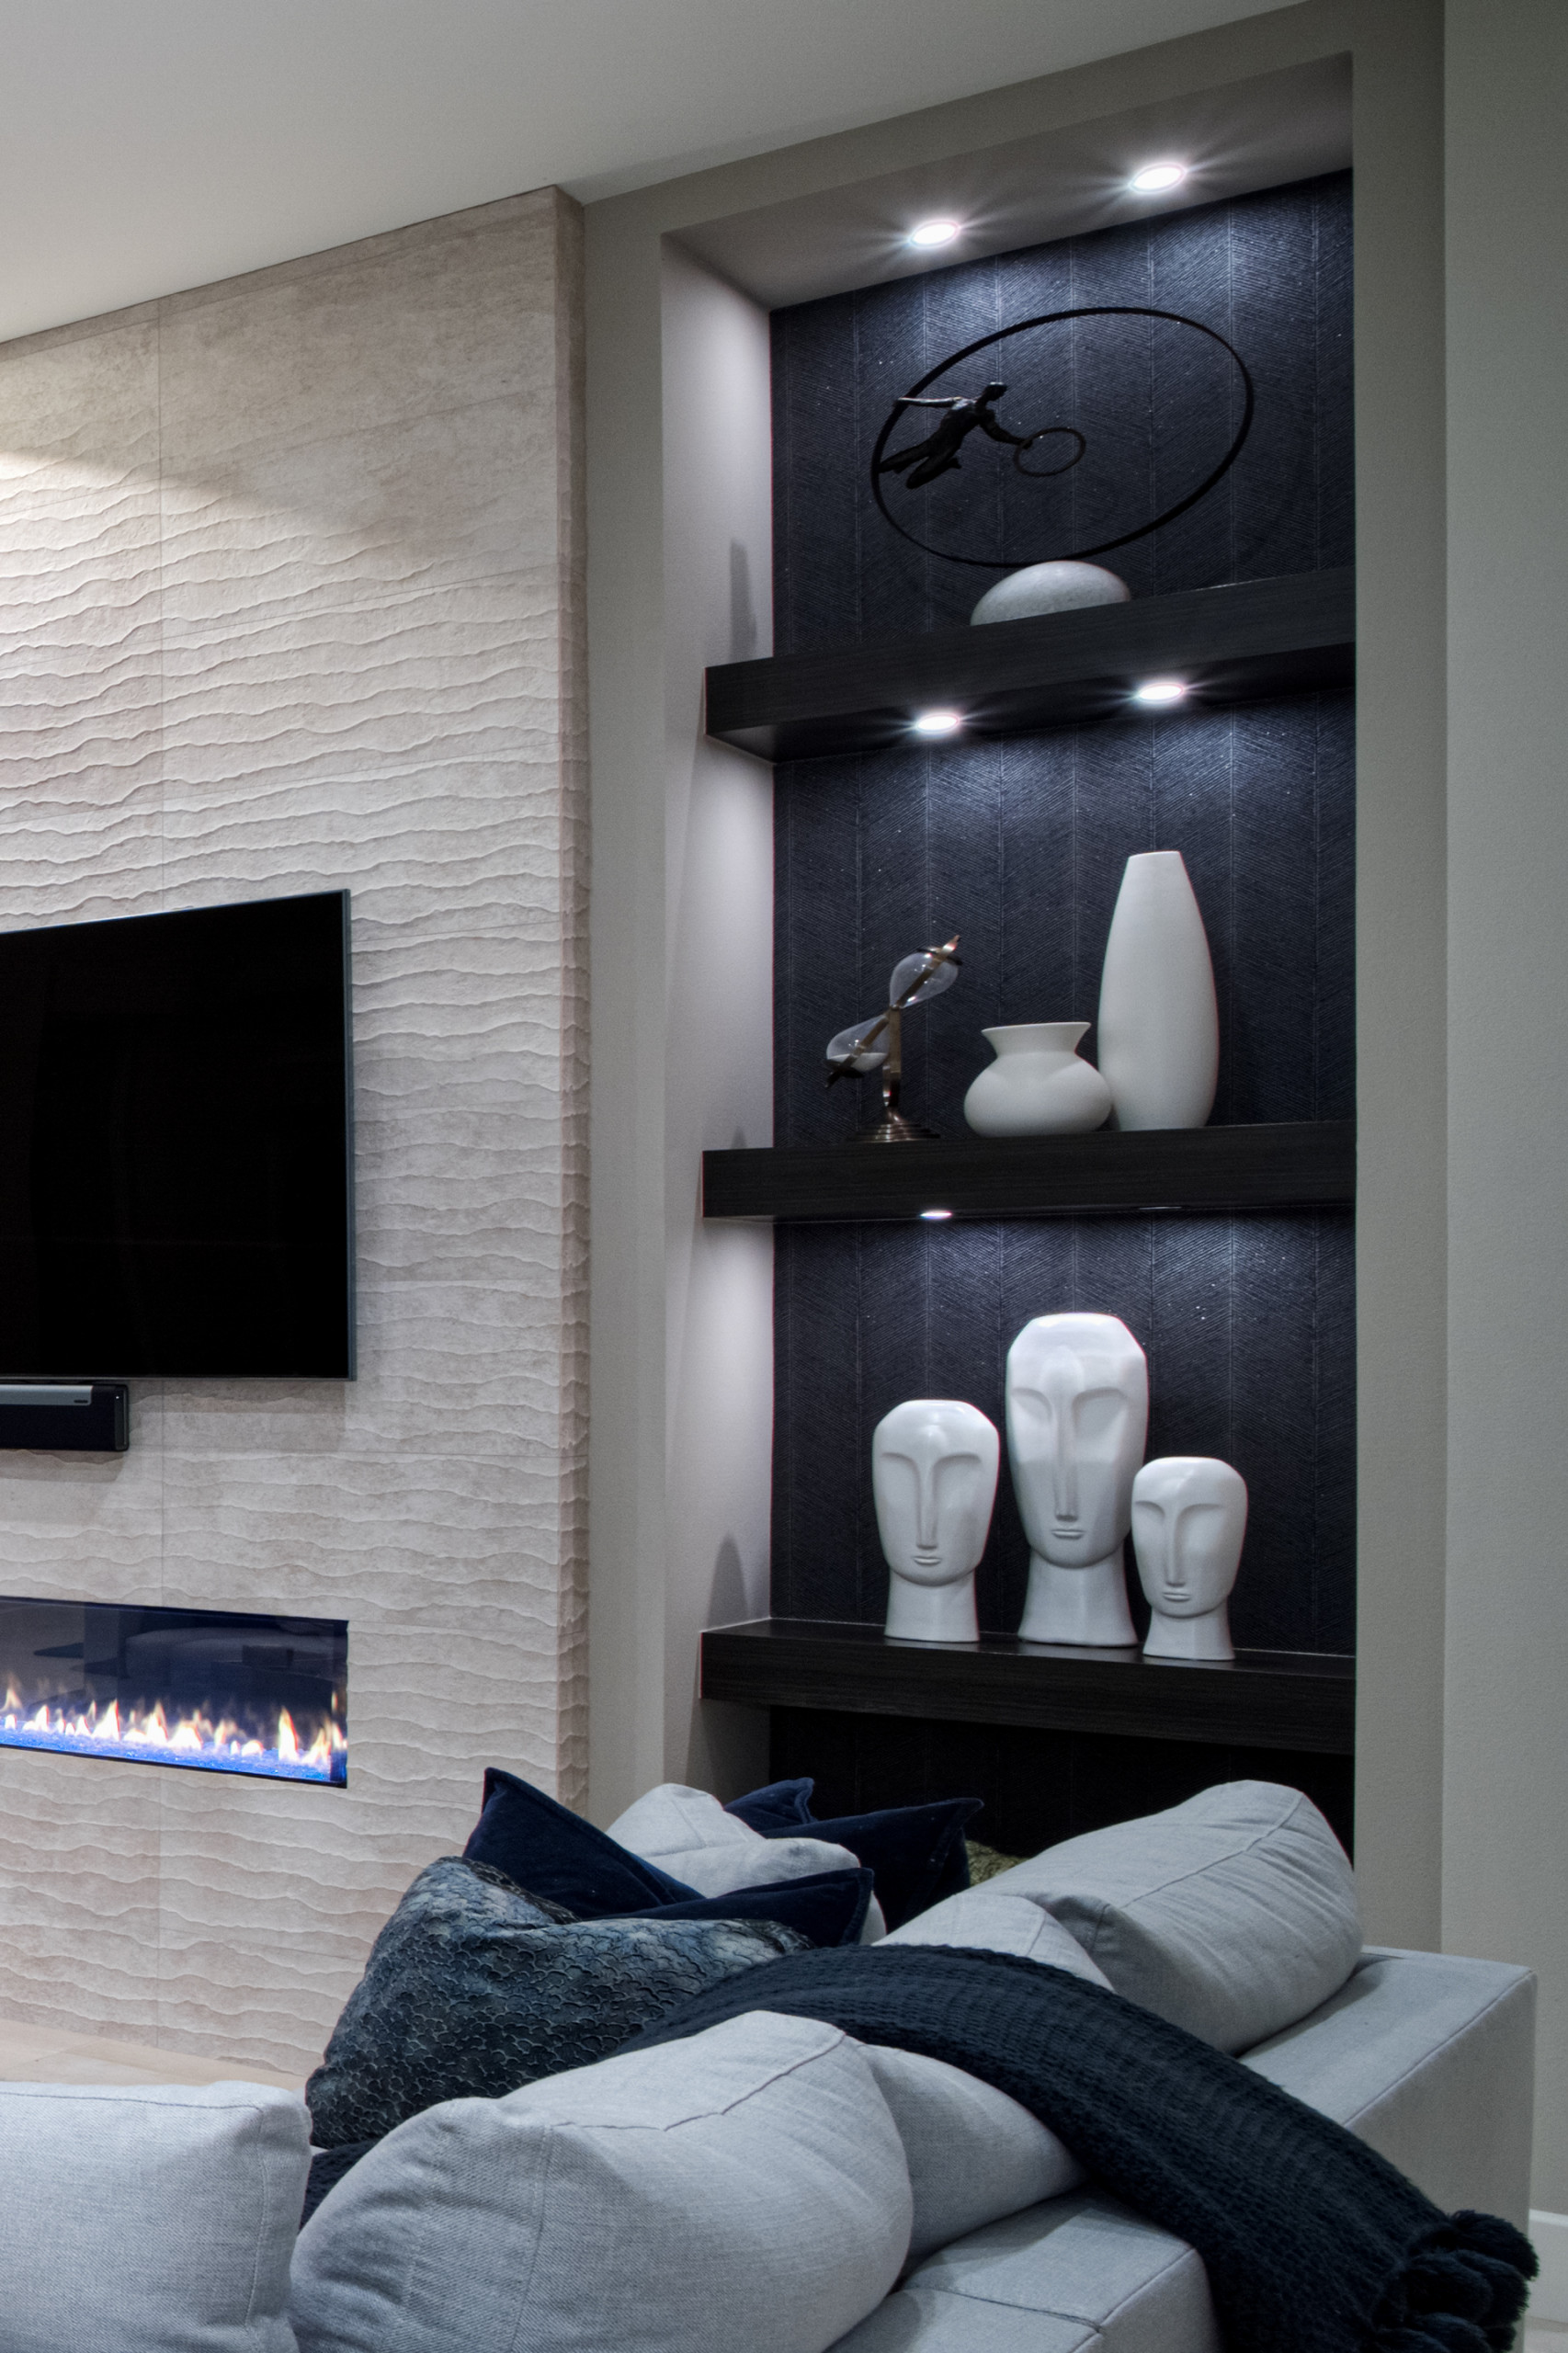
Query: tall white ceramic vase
[(1159, 1024)]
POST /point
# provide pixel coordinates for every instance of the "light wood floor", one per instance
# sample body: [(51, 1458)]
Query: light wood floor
[(40, 2055)]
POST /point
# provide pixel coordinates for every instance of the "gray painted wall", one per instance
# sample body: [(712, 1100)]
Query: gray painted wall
[(1505, 1724)]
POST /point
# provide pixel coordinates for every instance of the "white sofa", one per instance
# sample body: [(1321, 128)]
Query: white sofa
[(770, 2185), (1429, 2057)]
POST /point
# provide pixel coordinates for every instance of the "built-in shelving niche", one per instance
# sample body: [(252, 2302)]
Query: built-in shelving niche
[(1228, 1250)]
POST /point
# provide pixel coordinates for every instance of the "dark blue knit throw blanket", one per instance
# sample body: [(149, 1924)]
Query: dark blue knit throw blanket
[(1312, 2242)]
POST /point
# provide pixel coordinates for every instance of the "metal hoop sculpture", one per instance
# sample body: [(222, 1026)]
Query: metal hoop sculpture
[(1048, 473), (1055, 318)]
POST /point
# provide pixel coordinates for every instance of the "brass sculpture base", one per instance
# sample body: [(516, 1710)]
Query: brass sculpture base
[(893, 1128)]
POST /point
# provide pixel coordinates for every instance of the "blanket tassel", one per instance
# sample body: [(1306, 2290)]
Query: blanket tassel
[(1463, 2291)]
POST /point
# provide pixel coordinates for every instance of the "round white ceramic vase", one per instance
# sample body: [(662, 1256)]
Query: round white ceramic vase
[(1036, 1085), (1159, 1024)]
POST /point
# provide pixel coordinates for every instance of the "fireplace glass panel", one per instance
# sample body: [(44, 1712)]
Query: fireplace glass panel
[(226, 1691)]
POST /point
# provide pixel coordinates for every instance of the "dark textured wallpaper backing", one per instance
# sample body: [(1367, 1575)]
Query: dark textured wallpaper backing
[(1156, 403), (1019, 846)]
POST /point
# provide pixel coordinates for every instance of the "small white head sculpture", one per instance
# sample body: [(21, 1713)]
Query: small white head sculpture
[(934, 1464), (1077, 1414), (1190, 1515)]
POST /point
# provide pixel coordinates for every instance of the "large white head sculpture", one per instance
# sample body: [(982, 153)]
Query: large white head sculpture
[(934, 1464), (1190, 1515), (1077, 1414)]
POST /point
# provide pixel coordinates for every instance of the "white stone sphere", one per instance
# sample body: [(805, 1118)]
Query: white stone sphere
[(1058, 587)]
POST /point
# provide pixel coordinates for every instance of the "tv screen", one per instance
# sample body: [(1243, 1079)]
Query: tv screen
[(176, 1144)]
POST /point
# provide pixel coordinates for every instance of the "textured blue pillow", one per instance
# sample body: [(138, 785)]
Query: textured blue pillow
[(461, 1996), (916, 1852), (829, 1908), (555, 1854), (474, 1988), (783, 1807)]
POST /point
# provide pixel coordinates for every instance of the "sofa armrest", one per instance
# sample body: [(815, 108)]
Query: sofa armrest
[(1430, 2058)]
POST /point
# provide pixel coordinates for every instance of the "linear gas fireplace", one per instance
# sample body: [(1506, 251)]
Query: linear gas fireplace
[(226, 1691)]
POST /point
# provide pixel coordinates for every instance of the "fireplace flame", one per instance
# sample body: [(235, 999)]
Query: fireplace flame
[(146, 1734)]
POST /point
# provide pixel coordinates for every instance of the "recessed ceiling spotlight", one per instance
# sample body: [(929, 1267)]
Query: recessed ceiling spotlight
[(1155, 179), (938, 723), (936, 1217), (1154, 692), (927, 234)]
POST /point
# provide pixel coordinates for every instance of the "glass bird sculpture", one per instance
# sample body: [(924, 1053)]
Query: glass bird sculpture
[(878, 1044)]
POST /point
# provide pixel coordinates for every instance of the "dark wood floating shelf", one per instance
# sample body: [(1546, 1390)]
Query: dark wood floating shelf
[(1234, 645), (1294, 1164), (1266, 1699)]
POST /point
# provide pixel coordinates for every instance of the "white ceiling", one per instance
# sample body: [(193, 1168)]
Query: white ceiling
[(1058, 183), (147, 145)]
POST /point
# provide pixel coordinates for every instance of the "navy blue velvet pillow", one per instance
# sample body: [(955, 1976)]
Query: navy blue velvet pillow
[(553, 1853), (783, 1807), (916, 1852), (540, 1846), (829, 1908)]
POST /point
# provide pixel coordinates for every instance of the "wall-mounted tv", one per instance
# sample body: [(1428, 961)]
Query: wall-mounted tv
[(176, 1151)]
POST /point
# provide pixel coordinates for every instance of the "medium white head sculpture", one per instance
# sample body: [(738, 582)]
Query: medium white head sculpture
[(1077, 1414), (1190, 1515), (934, 1464)]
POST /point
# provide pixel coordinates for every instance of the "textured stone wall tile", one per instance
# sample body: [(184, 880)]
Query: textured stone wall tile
[(81, 716), (270, 1899), (366, 339), (440, 1191), (287, 1889), (283, 534), (417, 679), (91, 856), (470, 1371), (352, 1536), (291, 599), (76, 1527), (78, 1890), (86, 395)]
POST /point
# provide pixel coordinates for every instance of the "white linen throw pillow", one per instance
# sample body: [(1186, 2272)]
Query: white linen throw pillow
[(743, 2187), (973, 2154), (687, 1833), (1232, 1916)]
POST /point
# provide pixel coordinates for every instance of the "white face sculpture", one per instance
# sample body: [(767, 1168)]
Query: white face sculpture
[(934, 1464), (1077, 1414), (1190, 1515)]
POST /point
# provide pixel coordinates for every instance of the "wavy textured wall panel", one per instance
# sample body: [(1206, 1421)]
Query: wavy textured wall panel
[(291, 593)]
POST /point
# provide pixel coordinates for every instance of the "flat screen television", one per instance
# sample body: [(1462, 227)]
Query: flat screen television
[(176, 1157)]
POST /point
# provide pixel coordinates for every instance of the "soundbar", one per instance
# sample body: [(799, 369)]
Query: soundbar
[(66, 1416)]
